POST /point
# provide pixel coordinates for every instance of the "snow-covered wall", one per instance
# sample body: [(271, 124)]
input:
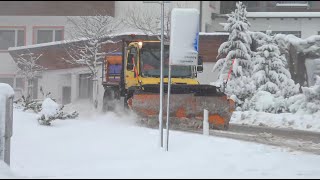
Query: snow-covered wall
[(54, 80)]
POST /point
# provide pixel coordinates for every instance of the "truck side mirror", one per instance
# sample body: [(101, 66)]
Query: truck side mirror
[(200, 65), (200, 69), (130, 67)]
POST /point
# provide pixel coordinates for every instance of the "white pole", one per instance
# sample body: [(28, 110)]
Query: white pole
[(205, 122), (168, 108), (161, 79)]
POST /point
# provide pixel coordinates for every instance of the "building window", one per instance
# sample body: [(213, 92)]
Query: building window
[(48, 34), (85, 86), (11, 37), (226, 7), (7, 80)]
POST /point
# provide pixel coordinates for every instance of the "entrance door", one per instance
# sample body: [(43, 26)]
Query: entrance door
[(66, 95), (85, 86)]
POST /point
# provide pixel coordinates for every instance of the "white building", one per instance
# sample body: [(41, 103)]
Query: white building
[(300, 18)]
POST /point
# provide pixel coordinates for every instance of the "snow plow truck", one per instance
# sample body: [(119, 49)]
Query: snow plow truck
[(134, 75)]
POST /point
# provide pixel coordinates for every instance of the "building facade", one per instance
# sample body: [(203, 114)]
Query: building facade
[(300, 18), (24, 23)]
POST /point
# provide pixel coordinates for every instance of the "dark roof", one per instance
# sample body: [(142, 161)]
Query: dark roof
[(53, 53)]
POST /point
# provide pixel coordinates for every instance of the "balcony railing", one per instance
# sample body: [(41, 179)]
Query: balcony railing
[(292, 4)]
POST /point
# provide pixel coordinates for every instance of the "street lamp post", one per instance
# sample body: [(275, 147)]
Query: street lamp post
[(161, 70)]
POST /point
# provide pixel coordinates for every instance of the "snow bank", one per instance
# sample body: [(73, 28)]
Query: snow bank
[(49, 108), (263, 101), (307, 122)]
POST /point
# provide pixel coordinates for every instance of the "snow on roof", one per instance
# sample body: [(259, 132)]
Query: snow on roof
[(283, 14), (68, 41), (223, 24), (112, 35), (298, 41), (44, 44)]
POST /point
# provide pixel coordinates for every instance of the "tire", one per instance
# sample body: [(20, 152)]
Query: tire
[(109, 100), (126, 98)]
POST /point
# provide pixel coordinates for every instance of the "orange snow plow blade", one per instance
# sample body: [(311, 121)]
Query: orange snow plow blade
[(186, 106)]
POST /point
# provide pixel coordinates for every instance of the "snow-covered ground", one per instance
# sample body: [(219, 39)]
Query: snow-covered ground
[(5, 172), (112, 146), (307, 122)]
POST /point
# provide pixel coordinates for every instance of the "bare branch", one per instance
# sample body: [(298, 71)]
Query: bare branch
[(28, 64), (148, 22), (91, 30)]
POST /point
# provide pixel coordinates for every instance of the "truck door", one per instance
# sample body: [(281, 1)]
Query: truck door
[(131, 67)]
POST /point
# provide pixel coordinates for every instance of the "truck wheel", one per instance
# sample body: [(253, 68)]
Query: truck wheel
[(108, 100), (126, 98)]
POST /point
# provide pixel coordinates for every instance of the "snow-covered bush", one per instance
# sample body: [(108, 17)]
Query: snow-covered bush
[(264, 101), (308, 101), (52, 111), (29, 104)]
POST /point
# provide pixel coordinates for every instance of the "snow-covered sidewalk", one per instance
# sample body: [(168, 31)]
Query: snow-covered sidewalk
[(306, 122), (109, 146)]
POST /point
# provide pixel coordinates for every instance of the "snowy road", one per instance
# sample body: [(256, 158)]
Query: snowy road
[(109, 146), (281, 132), (294, 139)]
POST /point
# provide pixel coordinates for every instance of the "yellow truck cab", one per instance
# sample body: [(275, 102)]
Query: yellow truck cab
[(142, 66)]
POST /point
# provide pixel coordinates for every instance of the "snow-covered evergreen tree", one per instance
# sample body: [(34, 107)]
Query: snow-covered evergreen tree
[(236, 49), (269, 72)]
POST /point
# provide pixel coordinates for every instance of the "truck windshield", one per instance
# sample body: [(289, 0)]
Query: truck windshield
[(150, 63)]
